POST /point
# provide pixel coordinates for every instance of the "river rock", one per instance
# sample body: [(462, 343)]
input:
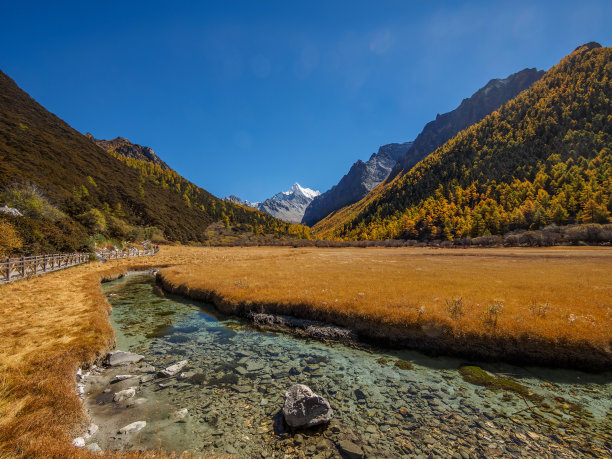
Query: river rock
[(172, 369), (304, 408), (94, 448), (91, 431), (254, 366), (146, 368), (124, 394), (79, 442), (117, 358), (350, 450), (180, 415), (133, 428)]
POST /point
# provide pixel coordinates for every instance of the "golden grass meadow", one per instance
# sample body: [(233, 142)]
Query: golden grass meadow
[(54, 324)]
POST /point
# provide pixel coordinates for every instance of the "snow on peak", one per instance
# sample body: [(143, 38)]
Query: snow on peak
[(287, 205), (309, 193)]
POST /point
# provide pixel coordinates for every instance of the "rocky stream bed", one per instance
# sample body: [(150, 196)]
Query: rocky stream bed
[(210, 384)]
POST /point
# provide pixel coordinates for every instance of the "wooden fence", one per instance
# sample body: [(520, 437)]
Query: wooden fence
[(117, 254), (12, 269)]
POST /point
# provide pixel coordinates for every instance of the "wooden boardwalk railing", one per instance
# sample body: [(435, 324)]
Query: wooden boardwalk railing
[(12, 269), (117, 254)]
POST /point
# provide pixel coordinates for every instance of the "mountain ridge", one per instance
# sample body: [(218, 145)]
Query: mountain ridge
[(543, 157), (470, 111), (89, 191), (361, 178), (122, 146)]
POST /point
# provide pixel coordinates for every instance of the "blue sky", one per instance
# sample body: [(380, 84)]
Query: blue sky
[(248, 97)]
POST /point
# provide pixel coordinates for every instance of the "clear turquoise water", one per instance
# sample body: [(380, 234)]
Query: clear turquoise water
[(235, 382)]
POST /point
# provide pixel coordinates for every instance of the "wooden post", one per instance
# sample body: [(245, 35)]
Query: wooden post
[(22, 266), (8, 269)]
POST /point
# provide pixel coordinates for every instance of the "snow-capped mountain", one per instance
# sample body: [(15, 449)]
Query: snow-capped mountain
[(286, 205)]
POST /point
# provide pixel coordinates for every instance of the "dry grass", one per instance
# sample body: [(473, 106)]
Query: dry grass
[(561, 295), (50, 326), (53, 324)]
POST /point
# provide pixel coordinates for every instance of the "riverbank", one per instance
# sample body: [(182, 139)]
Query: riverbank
[(210, 383), (51, 326), (529, 307), (55, 324)]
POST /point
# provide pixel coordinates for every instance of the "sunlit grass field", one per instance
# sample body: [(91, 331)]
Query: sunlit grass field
[(54, 324), (560, 293)]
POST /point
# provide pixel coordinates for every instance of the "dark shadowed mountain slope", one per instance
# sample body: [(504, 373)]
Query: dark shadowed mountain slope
[(360, 179), (97, 192)]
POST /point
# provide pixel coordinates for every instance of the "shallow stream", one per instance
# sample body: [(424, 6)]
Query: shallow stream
[(387, 403)]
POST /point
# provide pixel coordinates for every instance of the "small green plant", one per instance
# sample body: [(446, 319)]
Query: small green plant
[(455, 307), (478, 376), (493, 312)]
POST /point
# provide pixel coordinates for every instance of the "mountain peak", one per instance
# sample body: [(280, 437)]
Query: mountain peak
[(122, 146), (471, 110), (308, 192), (588, 46), (286, 205)]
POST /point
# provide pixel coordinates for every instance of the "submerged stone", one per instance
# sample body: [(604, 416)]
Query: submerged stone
[(132, 428), (172, 369), (180, 415), (94, 448), (117, 358), (124, 394), (350, 450), (303, 408)]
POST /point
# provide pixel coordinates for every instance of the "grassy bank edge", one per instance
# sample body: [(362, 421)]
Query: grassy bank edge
[(430, 337), (41, 403)]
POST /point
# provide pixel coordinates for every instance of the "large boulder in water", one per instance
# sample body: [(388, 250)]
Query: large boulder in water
[(304, 408)]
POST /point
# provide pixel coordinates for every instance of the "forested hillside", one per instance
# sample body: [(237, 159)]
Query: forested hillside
[(544, 157), (71, 191)]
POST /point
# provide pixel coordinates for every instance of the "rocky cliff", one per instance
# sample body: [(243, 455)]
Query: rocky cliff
[(360, 179), (123, 146)]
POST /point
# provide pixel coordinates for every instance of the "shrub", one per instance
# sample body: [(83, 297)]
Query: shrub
[(493, 312), (488, 241), (93, 220), (593, 233), (31, 202), (455, 307), (9, 239)]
